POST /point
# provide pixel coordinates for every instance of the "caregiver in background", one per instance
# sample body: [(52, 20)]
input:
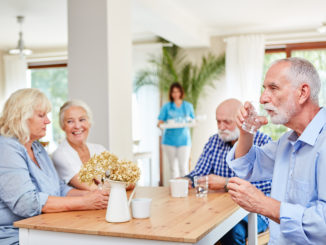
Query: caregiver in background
[(177, 141)]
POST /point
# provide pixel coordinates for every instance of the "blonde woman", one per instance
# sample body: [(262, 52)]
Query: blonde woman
[(29, 184)]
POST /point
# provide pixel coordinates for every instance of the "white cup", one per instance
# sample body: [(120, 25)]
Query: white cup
[(179, 187), (141, 208)]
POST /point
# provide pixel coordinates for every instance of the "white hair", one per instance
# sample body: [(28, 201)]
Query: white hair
[(302, 71), (21, 106), (76, 103)]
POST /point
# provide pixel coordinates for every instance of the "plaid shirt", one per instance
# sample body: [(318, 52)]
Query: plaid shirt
[(213, 161)]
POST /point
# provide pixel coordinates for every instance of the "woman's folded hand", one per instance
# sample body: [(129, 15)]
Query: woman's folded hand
[(96, 199)]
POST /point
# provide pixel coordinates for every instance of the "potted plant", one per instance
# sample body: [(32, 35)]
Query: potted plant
[(172, 66)]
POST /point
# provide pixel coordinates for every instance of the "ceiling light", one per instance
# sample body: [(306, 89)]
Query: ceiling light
[(322, 28), (20, 49)]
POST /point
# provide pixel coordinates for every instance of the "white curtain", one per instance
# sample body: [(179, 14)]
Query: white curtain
[(244, 66), (15, 68)]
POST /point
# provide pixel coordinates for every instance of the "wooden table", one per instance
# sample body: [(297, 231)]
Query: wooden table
[(189, 220)]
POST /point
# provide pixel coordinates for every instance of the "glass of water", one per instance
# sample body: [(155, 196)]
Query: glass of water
[(251, 124), (201, 185)]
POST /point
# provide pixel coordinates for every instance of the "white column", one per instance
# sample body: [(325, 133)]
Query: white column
[(100, 68)]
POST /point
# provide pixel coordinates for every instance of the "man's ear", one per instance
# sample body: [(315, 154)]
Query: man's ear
[(303, 93)]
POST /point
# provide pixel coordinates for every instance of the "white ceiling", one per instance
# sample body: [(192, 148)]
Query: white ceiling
[(45, 25), (225, 17)]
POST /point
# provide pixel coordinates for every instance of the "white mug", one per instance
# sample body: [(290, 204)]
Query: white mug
[(179, 187), (141, 208)]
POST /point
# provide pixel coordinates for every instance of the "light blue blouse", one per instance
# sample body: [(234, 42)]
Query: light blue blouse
[(297, 165), (24, 187), (176, 136)]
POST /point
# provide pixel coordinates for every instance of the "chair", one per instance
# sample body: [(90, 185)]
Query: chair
[(263, 238)]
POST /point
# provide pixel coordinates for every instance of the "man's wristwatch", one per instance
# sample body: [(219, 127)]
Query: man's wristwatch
[(226, 185)]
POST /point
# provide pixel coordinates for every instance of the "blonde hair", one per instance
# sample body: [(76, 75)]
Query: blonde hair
[(76, 103), (20, 107)]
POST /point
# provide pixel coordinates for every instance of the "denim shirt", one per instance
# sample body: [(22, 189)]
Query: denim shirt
[(297, 165), (24, 187)]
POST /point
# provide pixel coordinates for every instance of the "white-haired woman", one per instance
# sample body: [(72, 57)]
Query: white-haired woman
[(75, 120), (29, 183)]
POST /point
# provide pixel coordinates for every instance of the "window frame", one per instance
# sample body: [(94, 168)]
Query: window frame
[(45, 66), (288, 48)]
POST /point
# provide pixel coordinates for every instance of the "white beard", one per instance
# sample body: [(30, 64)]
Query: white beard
[(283, 114), (228, 136)]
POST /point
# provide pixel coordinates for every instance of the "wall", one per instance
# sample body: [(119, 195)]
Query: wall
[(207, 104), (2, 81), (208, 100), (12, 75), (146, 107)]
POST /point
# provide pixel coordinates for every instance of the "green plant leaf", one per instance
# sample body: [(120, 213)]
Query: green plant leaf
[(172, 66)]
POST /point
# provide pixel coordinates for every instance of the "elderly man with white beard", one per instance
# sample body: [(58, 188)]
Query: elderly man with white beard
[(296, 162), (212, 162)]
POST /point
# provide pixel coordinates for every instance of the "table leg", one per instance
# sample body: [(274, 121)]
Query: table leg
[(23, 236), (252, 229)]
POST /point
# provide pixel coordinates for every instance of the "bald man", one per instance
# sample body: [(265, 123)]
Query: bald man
[(212, 162)]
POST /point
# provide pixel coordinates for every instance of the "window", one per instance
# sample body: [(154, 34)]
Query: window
[(273, 130), (318, 58), (53, 81), (315, 53)]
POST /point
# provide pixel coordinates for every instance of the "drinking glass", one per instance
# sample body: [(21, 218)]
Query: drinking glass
[(251, 124), (201, 185)]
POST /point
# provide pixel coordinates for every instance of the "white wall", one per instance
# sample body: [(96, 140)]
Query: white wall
[(120, 76), (208, 100), (207, 104), (146, 112), (2, 81), (15, 67)]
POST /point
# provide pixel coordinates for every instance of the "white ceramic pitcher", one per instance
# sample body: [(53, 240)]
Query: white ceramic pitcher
[(118, 206)]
